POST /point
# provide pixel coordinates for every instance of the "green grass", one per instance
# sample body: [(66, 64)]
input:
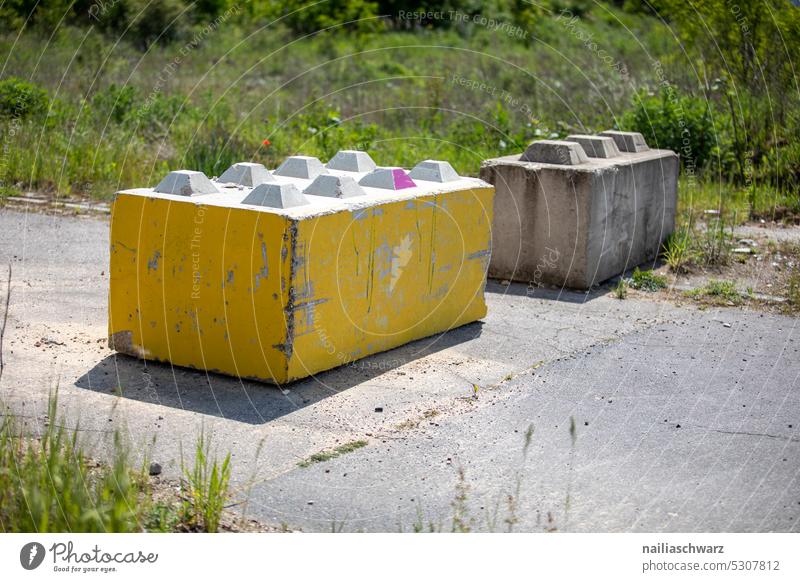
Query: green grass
[(647, 281), (621, 289), (49, 484), (323, 456), (717, 293)]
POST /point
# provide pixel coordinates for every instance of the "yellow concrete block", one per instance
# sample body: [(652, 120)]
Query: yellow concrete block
[(214, 281)]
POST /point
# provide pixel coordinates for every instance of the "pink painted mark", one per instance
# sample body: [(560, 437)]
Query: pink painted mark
[(402, 180)]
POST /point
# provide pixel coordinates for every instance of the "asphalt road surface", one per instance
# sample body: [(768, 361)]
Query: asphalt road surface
[(590, 414)]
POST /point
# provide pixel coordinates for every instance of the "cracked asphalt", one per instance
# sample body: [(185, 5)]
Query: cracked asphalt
[(590, 413)]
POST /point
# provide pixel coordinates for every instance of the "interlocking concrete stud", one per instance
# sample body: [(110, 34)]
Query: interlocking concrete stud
[(550, 151), (351, 161), (305, 167), (186, 183), (276, 196), (627, 141), (334, 187), (254, 284), (246, 174), (579, 222), (596, 146), (388, 179), (433, 171)]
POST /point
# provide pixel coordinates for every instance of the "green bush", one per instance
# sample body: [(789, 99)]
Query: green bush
[(20, 98), (681, 123)]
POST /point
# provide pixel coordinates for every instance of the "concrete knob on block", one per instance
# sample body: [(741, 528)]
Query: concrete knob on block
[(596, 146), (549, 151), (276, 196), (434, 171), (186, 183), (388, 179), (627, 141), (246, 174), (305, 167), (334, 187), (351, 161)]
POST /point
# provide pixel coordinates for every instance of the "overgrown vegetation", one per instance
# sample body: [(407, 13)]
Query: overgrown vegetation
[(49, 484), (717, 293), (100, 96), (647, 281)]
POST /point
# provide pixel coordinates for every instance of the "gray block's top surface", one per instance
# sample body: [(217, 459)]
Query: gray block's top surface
[(276, 196), (305, 167), (186, 183), (592, 165), (334, 187), (246, 174), (351, 161), (596, 146), (550, 151), (434, 171), (627, 141)]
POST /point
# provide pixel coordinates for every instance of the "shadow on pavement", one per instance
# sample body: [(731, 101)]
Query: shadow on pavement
[(245, 400)]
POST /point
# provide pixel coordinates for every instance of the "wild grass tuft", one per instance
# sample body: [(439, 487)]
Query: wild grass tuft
[(205, 487)]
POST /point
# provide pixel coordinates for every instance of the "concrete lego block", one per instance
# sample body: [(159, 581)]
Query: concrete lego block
[(351, 161), (596, 146), (186, 183), (305, 167), (334, 187), (280, 291), (246, 174), (388, 179), (627, 141), (276, 196), (433, 171), (550, 151), (577, 225)]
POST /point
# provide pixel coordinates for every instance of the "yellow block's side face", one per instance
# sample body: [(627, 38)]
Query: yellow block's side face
[(369, 280), (200, 286)]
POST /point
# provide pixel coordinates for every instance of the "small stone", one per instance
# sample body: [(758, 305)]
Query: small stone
[(155, 469), (310, 502), (379, 409), (677, 426)]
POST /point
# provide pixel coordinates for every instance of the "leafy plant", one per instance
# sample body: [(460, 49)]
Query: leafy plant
[(718, 292), (20, 99), (621, 290), (647, 281)]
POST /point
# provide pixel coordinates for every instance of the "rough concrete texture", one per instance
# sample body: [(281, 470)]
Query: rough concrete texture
[(551, 151), (627, 141), (388, 179), (246, 174), (433, 171), (596, 146), (579, 225), (273, 284), (186, 183), (334, 187), (276, 196), (305, 167), (629, 373), (351, 161)]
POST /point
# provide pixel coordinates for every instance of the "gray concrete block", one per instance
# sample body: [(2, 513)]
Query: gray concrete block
[(388, 179), (551, 151), (434, 171), (627, 141), (579, 225), (276, 196), (334, 187), (186, 183), (306, 167), (596, 146), (247, 174), (351, 161)]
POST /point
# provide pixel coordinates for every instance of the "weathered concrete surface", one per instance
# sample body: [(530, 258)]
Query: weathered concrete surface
[(578, 225), (625, 367)]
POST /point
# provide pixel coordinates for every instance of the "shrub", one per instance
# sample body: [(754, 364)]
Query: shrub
[(20, 98), (647, 280), (676, 122)]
